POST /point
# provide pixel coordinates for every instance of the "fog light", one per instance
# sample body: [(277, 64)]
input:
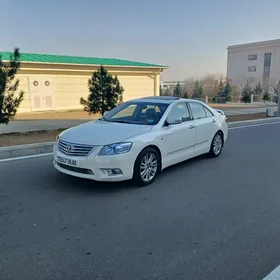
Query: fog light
[(112, 172)]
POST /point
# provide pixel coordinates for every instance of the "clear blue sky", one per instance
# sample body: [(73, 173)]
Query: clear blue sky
[(190, 36)]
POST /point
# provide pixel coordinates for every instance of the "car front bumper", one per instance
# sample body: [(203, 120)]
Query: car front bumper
[(98, 168)]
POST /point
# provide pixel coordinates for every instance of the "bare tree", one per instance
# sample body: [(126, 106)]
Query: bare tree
[(210, 85), (188, 86)]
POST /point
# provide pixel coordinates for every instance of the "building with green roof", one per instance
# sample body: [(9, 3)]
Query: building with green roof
[(56, 82)]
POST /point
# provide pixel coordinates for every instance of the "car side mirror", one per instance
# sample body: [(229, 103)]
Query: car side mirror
[(173, 121), (105, 113)]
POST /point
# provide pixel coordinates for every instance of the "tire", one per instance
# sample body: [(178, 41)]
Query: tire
[(141, 163), (216, 145)]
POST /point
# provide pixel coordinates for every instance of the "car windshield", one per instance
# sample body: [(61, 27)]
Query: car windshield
[(142, 113)]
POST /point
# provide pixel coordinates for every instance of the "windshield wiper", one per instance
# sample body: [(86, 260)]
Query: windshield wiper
[(103, 119), (121, 121)]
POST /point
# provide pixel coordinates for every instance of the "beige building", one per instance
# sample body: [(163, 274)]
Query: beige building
[(53, 82)]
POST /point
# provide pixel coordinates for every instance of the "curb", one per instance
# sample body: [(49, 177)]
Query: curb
[(47, 147), (257, 121), (26, 150)]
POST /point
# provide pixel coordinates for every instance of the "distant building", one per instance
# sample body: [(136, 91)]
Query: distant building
[(254, 62), (171, 84), (55, 82)]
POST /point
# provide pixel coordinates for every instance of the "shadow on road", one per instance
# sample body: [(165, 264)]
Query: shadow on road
[(65, 183), (169, 171)]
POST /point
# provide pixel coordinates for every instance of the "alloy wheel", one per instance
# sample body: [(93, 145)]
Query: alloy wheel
[(217, 144), (148, 167)]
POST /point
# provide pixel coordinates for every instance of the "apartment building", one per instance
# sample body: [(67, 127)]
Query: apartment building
[(254, 62)]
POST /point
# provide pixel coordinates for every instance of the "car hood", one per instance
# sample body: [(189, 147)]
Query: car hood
[(102, 133)]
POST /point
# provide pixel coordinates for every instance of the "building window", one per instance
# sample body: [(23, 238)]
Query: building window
[(252, 69), (252, 57), (267, 56)]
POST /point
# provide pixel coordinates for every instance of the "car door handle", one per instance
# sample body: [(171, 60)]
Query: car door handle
[(191, 127), (214, 121)]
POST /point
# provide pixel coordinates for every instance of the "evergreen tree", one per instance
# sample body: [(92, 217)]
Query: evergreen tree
[(185, 94), (221, 95), (266, 96), (276, 91), (258, 91), (246, 94), (167, 92), (198, 91), (221, 88), (227, 92), (177, 90), (9, 100), (105, 92)]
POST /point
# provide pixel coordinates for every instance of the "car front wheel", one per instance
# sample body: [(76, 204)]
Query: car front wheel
[(147, 166), (217, 145)]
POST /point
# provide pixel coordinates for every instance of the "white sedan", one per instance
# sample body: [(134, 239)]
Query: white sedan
[(139, 138)]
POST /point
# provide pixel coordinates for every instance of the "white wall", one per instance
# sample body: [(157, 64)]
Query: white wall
[(237, 64)]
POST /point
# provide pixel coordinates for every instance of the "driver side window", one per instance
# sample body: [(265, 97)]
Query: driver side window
[(180, 111)]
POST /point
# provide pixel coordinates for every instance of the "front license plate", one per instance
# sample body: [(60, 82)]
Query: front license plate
[(67, 161)]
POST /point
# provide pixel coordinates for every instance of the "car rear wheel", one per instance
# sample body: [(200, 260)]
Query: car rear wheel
[(216, 145), (147, 166)]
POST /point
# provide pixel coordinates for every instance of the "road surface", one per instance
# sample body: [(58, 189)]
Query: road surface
[(204, 219)]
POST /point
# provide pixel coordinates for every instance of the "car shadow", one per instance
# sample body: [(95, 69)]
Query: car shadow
[(66, 183), (190, 162), (182, 166)]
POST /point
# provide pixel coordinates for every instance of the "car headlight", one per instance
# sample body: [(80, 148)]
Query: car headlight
[(57, 137), (115, 149)]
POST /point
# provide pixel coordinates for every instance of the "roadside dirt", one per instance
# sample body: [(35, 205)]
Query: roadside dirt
[(39, 137), (27, 138), (53, 115), (246, 117)]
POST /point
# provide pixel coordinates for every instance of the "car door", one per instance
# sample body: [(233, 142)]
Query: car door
[(178, 135), (205, 126)]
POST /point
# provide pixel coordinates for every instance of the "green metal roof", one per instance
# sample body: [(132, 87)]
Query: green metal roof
[(63, 59)]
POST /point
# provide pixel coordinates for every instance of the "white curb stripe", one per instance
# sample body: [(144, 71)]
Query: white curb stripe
[(25, 157), (274, 275), (252, 125)]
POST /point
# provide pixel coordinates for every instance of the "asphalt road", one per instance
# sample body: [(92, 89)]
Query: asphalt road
[(203, 219)]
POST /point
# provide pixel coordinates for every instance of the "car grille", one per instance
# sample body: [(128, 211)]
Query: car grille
[(76, 150), (75, 169)]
